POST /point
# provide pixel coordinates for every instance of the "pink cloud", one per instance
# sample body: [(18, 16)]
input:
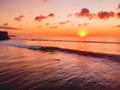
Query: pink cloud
[(118, 14), (69, 15), (118, 7), (44, 0), (100, 15), (105, 14), (91, 16), (41, 17), (83, 13), (62, 23), (19, 18), (51, 15)]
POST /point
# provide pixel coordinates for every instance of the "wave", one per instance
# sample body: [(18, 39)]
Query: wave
[(19, 44), (114, 57), (75, 41)]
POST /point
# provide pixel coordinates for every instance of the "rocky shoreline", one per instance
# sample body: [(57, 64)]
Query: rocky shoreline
[(4, 35)]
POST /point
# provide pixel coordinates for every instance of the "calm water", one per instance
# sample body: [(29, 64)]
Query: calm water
[(110, 45), (25, 69)]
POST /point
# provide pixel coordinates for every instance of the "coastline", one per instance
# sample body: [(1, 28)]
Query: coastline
[(4, 35), (21, 44)]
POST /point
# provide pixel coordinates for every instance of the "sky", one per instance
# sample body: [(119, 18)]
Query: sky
[(60, 17)]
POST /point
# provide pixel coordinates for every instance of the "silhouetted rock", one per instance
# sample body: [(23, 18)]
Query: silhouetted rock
[(3, 35)]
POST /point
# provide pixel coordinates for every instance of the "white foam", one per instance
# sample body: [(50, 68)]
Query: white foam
[(18, 43)]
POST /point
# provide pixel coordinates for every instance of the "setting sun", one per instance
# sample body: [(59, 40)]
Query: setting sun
[(82, 33), (59, 44)]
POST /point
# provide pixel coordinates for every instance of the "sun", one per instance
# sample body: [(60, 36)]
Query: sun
[(82, 33)]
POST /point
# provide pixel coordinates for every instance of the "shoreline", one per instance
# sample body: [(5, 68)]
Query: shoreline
[(114, 57)]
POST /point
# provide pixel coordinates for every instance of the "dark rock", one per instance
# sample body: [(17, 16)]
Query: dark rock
[(4, 35)]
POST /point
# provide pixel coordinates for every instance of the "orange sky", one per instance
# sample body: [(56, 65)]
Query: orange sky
[(60, 17)]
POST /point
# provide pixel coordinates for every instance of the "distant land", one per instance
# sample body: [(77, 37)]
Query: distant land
[(4, 35)]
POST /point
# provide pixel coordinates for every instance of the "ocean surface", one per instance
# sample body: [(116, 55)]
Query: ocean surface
[(110, 45), (60, 63)]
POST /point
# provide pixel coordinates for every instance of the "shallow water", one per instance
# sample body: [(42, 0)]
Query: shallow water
[(24, 69)]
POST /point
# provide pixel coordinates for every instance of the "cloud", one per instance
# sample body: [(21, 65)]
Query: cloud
[(79, 25), (53, 27), (51, 15), (69, 15), (64, 22), (91, 16), (44, 0), (118, 7), (84, 24), (9, 28), (19, 18), (5, 24), (118, 26), (41, 17), (47, 24), (83, 13), (118, 14), (105, 14), (67, 21), (100, 15)]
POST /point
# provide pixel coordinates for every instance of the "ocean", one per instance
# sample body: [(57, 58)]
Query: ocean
[(110, 45), (91, 63)]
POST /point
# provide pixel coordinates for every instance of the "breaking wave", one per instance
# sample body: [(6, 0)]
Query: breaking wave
[(21, 44)]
